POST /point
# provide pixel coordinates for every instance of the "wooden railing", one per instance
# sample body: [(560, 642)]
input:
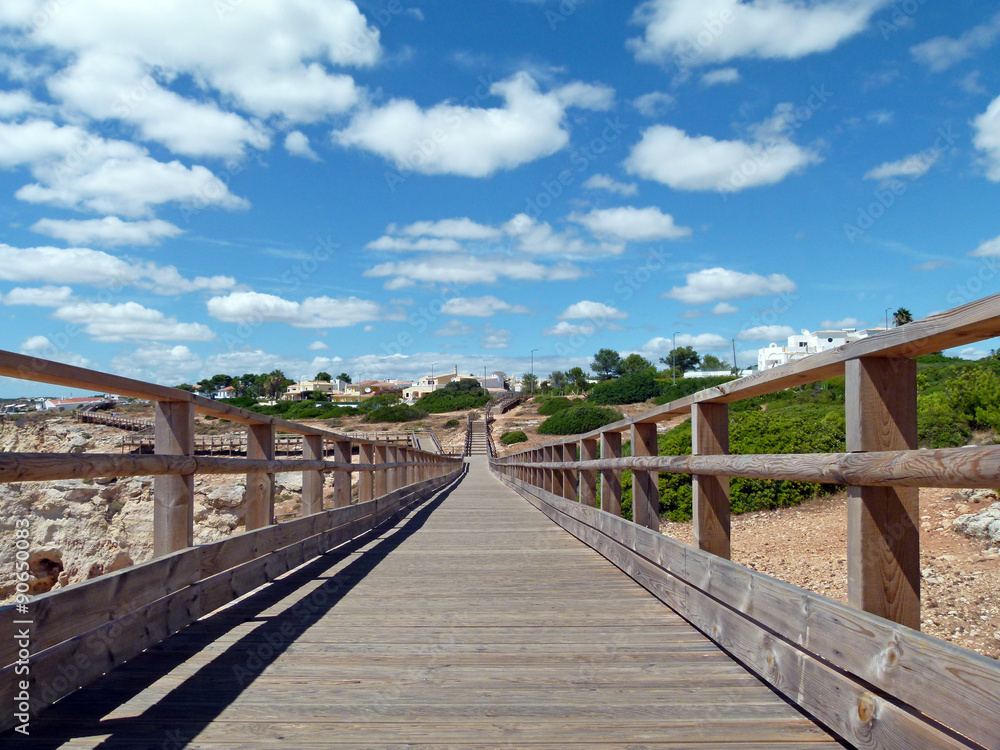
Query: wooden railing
[(862, 668), (94, 625)]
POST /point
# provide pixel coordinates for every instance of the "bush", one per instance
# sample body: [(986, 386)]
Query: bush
[(296, 410), (628, 389), (550, 406), (453, 423), (395, 413), (459, 395), (578, 419), (515, 436), (374, 403), (669, 391)]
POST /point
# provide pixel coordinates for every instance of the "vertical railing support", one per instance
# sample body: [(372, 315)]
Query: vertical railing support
[(392, 481), (260, 485), (548, 483), (611, 479), (381, 475), (366, 482), (556, 455), (883, 533), (588, 477), (571, 477), (312, 481), (342, 478), (173, 496), (710, 494), (645, 484)]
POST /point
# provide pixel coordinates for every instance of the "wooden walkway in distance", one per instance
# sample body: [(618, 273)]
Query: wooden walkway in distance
[(474, 623)]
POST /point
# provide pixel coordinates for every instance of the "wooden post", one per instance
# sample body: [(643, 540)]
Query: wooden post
[(611, 479), (312, 481), (341, 478), (381, 475), (547, 483), (392, 475), (556, 455), (710, 436), (366, 482), (571, 477), (883, 533), (260, 486), (645, 484), (173, 496), (588, 477)]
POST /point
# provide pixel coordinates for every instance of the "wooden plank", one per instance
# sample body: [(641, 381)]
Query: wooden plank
[(173, 496), (312, 481), (259, 501), (588, 477), (710, 494), (883, 536), (645, 484)]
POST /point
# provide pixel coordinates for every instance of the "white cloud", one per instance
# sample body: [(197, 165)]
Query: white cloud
[(694, 32), (159, 363), (109, 231), (297, 144), (669, 155), (766, 333), (74, 169), (43, 348), (630, 224), (423, 244), (713, 284), (455, 139), (46, 296), (469, 270), (570, 329), (317, 346), (104, 321), (19, 102), (724, 308), (454, 328), (455, 229), (720, 76), (595, 312), (494, 338), (77, 265), (661, 345), (941, 52), (539, 238), (913, 166), (973, 353), (605, 182), (837, 325), (654, 104), (987, 138), (312, 312), (988, 249), (480, 307)]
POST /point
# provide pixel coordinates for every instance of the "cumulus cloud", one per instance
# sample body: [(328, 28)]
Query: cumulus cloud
[(836, 325), (43, 348), (46, 296), (494, 338), (454, 328), (720, 76), (713, 284), (592, 311), (987, 138), (942, 52), (911, 166), (480, 307), (78, 265), (108, 322), (630, 224), (724, 308), (988, 249), (297, 144), (317, 346), (159, 363), (471, 141), (564, 328), (405, 244), (692, 33), (605, 182), (766, 333), (312, 312), (670, 156), (109, 231), (469, 270), (539, 238), (654, 104), (454, 229), (661, 345)]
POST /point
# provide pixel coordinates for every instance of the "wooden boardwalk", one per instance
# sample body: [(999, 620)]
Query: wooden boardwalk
[(474, 623)]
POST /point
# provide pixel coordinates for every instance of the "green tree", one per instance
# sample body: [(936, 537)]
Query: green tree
[(636, 363), (325, 377), (711, 362), (345, 377), (578, 379), (682, 359), (185, 387), (529, 382), (901, 317), (607, 364), (274, 384), (558, 380)]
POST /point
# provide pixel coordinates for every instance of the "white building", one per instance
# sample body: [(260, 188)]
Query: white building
[(304, 389), (69, 404), (806, 343), (430, 383)]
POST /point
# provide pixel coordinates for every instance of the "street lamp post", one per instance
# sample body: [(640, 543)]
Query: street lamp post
[(673, 355), (533, 372), (887, 318)]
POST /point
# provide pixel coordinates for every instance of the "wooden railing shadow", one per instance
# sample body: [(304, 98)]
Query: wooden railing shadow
[(205, 695)]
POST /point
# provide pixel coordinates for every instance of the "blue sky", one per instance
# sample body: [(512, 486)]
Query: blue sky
[(376, 187)]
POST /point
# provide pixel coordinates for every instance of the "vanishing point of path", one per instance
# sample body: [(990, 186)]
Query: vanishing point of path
[(474, 623)]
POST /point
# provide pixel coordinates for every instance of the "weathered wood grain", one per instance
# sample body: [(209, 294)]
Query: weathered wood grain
[(710, 494)]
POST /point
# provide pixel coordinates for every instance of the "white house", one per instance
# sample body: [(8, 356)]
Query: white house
[(430, 383), (806, 343), (69, 404), (304, 388), (227, 392)]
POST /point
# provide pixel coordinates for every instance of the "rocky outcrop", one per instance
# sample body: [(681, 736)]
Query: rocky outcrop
[(984, 524)]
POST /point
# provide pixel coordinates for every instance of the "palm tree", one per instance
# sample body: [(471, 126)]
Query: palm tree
[(274, 384), (901, 317)]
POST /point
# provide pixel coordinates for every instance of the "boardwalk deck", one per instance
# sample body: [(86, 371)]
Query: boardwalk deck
[(476, 623)]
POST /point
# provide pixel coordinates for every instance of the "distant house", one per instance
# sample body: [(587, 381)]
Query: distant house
[(305, 388), (227, 392), (707, 373), (69, 404), (806, 343), (430, 383)]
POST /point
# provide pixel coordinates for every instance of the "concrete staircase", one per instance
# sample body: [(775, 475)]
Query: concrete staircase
[(478, 445)]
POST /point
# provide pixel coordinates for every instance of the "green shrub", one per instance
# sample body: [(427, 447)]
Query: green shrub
[(554, 404), (515, 436), (453, 423), (374, 403), (628, 389), (459, 395), (670, 391), (578, 419), (395, 413)]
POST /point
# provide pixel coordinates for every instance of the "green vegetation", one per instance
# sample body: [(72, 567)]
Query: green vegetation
[(633, 388), (685, 387), (395, 413), (578, 419), (453, 423), (294, 410), (956, 398), (553, 404), (515, 436), (458, 395)]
